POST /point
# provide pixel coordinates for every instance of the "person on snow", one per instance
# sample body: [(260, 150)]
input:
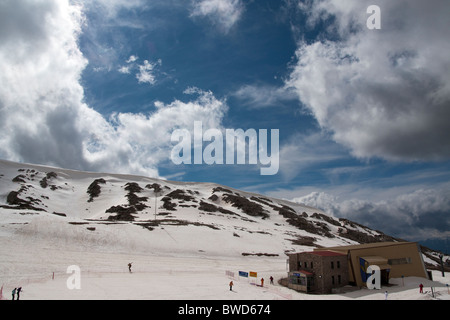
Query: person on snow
[(420, 288), (14, 293), (262, 282), (129, 266), (18, 292), (231, 285), (271, 280)]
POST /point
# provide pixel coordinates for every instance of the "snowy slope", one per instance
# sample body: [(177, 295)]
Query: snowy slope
[(70, 204), (51, 218)]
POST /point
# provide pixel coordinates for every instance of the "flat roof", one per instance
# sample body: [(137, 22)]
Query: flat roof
[(366, 246), (323, 253), (328, 253)]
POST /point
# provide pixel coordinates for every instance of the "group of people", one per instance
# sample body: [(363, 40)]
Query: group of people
[(262, 283), (16, 291)]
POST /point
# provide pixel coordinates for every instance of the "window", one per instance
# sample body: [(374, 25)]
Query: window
[(302, 281), (306, 264), (339, 279), (332, 265), (338, 264), (311, 264), (294, 279), (332, 280), (393, 262)]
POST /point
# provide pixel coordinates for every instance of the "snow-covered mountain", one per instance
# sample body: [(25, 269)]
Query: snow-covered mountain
[(124, 213)]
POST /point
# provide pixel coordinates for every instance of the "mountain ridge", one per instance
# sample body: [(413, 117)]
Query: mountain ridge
[(204, 217)]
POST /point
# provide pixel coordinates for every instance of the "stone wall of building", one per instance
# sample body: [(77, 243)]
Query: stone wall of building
[(330, 270)]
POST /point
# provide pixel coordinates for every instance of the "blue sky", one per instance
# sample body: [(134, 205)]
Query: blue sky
[(363, 114)]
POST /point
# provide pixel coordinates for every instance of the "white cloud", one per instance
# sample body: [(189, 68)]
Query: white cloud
[(382, 93), (264, 96), (43, 117), (302, 152), (138, 142), (417, 215), (111, 8), (132, 58), (147, 72), (104, 43), (41, 65), (124, 70), (223, 13)]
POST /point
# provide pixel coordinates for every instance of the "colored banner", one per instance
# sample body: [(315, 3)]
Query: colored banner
[(243, 274), (363, 265), (253, 274)]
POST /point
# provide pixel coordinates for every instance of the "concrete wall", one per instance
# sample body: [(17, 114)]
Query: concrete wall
[(404, 259)]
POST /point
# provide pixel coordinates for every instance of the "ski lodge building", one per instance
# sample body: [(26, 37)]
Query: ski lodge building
[(325, 270)]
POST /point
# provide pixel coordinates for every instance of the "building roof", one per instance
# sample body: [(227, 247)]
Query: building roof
[(367, 246), (323, 253), (344, 250), (328, 253)]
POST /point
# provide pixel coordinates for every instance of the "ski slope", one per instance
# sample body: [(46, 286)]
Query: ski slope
[(186, 247)]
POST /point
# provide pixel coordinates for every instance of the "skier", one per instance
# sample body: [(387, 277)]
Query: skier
[(129, 266), (385, 295), (231, 285), (421, 288), (14, 293), (18, 293), (262, 282), (271, 280)]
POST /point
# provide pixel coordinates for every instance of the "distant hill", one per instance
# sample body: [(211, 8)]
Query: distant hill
[(126, 212)]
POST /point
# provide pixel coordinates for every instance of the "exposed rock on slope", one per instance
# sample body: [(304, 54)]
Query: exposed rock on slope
[(194, 216)]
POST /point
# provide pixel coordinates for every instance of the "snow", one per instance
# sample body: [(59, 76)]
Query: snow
[(42, 272), (173, 261)]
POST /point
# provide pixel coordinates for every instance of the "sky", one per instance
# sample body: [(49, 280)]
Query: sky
[(362, 112)]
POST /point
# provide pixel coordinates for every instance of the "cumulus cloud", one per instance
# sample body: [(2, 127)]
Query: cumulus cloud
[(43, 117), (223, 13), (141, 142), (381, 93), (417, 215), (41, 66)]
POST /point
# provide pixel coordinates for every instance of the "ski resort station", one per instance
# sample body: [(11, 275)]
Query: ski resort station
[(328, 270)]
